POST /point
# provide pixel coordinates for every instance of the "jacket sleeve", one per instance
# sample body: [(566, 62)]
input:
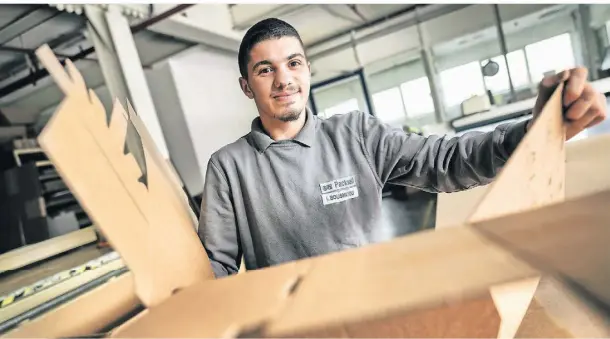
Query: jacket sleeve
[(438, 163), (217, 227)]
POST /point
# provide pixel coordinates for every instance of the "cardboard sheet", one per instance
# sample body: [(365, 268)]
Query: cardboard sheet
[(533, 176), (587, 168), (430, 284), (439, 278), (134, 213), (568, 240)]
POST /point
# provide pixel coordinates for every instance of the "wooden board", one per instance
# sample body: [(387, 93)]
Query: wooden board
[(55, 291), (85, 315), (139, 216), (31, 254)]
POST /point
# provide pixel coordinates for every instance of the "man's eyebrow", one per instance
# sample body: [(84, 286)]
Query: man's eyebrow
[(267, 62), (260, 63), (291, 56)]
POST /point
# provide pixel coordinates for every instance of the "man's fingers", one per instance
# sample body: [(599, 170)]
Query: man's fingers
[(588, 118), (551, 82), (581, 106), (576, 85), (595, 121)]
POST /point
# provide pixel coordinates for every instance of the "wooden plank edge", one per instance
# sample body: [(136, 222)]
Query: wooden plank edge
[(54, 291), (88, 314), (30, 254)]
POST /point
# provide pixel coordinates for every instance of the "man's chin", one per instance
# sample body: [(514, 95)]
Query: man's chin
[(291, 115)]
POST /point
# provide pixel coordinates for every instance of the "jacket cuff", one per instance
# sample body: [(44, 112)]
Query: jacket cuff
[(513, 135)]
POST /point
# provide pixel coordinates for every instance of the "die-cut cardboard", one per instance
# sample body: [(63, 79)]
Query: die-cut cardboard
[(431, 284)]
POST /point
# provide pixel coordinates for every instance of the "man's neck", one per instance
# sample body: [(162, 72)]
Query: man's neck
[(283, 130)]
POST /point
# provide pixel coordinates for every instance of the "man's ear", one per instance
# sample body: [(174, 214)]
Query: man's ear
[(243, 83)]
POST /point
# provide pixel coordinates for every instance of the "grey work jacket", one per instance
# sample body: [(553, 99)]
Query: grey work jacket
[(278, 201)]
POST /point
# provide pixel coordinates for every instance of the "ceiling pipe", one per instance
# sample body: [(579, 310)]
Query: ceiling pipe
[(42, 73)]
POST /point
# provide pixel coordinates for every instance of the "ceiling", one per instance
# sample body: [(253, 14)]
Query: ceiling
[(385, 34), (23, 28), (315, 22)]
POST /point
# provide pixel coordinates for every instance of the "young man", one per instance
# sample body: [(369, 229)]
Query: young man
[(298, 186)]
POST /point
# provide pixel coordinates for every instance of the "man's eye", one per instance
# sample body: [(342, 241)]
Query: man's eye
[(264, 70), (294, 63)]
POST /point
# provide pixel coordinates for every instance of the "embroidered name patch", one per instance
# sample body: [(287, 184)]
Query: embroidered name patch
[(339, 190)]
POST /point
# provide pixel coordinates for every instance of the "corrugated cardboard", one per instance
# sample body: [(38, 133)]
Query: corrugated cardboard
[(533, 176), (143, 219), (431, 284)]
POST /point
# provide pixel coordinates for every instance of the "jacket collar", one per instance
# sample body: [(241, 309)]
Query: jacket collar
[(305, 137)]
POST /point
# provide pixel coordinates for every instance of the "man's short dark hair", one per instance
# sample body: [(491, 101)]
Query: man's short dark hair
[(266, 29)]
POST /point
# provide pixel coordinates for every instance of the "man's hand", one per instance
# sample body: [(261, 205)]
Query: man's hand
[(585, 106)]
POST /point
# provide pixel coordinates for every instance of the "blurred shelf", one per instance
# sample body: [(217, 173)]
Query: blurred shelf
[(43, 163)]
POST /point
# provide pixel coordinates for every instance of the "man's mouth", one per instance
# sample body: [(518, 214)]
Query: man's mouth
[(285, 96)]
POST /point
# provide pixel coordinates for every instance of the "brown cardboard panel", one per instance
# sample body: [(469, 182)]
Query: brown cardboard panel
[(425, 271), (474, 318), (88, 154), (533, 176), (558, 312), (568, 240), (173, 183), (217, 308), (587, 166), (84, 315), (453, 209)]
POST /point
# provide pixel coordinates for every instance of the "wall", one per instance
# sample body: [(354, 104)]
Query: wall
[(215, 110), (173, 123)]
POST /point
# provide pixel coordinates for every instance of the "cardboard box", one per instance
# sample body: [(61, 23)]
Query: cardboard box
[(451, 282)]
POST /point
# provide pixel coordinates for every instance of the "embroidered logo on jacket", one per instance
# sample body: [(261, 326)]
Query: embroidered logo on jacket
[(339, 190)]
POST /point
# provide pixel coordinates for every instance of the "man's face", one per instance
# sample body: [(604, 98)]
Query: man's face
[(278, 78)]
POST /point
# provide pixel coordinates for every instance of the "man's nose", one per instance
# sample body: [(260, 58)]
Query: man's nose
[(282, 78)]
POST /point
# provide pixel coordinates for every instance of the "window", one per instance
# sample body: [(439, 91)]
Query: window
[(388, 105), (551, 55), (518, 71), (461, 83), (417, 97), (341, 108)]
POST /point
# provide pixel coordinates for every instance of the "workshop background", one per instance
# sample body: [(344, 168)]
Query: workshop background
[(429, 69)]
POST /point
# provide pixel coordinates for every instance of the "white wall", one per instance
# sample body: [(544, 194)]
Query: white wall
[(215, 110), (173, 123)]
